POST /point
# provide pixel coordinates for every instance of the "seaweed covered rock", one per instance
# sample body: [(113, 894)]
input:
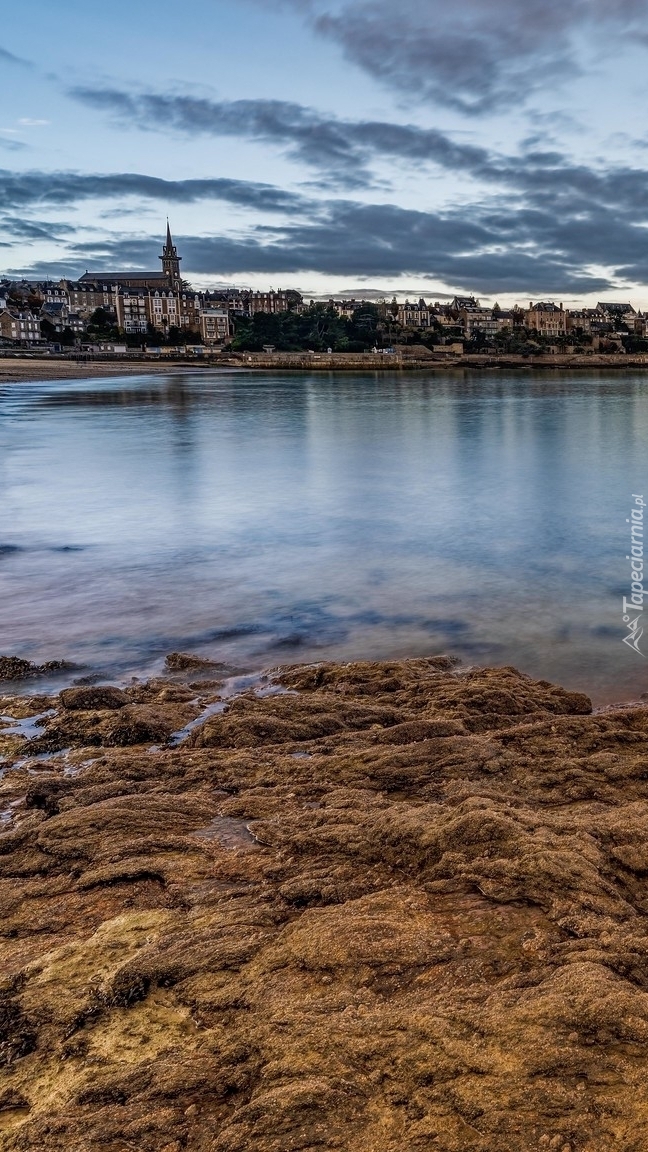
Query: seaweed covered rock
[(93, 698), (392, 906), (15, 668)]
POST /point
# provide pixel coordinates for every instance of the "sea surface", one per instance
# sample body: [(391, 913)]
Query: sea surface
[(263, 519)]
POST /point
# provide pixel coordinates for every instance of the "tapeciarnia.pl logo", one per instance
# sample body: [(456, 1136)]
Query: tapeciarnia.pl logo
[(633, 608)]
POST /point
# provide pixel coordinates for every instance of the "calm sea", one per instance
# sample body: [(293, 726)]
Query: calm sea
[(266, 519)]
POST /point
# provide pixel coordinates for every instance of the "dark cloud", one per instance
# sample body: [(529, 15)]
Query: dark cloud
[(344, 149), (23, 190), (479, 55), (463, 249), (532, 252), (538, 228), (340, 148), (539, 232), (22, 229)]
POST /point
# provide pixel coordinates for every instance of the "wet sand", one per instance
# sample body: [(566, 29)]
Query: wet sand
[(18, 371)]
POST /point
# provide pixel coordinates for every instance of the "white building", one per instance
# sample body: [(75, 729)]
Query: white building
[(214, 324)]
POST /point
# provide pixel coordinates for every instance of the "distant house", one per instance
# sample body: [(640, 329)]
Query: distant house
[(614, 309), (214, 324), (345, 308), (85, 297), (19, 327), (546, 318), (505, 319), (269, 302), (479, 321), (58, 314), (464, 304), (414, 315)]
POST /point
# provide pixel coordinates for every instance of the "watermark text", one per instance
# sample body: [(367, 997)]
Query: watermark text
[(633, 607)]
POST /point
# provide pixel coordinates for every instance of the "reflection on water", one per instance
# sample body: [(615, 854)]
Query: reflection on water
[(264, 519)]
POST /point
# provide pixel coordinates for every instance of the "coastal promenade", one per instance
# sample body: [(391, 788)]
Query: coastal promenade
[(15, 368)]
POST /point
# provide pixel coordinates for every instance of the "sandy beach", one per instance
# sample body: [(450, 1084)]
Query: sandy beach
[(14, 369)]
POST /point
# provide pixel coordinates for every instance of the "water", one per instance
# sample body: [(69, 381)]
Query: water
[(266, 519)]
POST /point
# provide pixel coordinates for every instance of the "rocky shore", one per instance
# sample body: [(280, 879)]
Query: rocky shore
[(366, 907)]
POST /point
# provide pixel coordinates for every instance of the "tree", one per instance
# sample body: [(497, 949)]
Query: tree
[(102, 325)]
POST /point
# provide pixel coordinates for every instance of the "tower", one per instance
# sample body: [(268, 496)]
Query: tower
[(171, 261)]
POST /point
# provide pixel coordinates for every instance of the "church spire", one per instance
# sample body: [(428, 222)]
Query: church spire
[(171, 260)]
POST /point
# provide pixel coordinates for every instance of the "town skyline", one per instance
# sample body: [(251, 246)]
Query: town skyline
[(146, 307)]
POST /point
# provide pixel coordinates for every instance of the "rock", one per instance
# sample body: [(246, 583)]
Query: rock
[(440, 939), (14, 668), (93, 698), (141, 724), (186, 662)]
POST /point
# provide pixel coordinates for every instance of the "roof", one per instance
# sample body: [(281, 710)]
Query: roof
[(117, 277)]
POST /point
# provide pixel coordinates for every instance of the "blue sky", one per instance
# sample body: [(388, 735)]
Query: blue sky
[(332, 145)]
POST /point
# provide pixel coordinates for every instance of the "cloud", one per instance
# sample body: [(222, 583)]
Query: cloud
[(7, 57), (462, 249), (532, 252), (538, 226), (479, 55), (20, 228), (344, 149), (22, 190), (11, 145), (340, 148)]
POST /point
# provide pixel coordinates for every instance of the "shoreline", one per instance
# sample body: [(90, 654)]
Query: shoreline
[(17, 369)]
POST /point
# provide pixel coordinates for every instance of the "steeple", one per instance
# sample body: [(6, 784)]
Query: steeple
[(171, 261)]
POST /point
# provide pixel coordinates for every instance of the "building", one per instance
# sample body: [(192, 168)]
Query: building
[(167, 278), (584, 321), (614, 310), (479, 321), (271, 302), (214, 324), (343, 308), (414, 315), (20, 327), (464, 304), (161, 309), (59, 315), (547, 319), (85, 297)]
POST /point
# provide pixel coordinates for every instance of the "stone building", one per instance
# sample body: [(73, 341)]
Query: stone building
[(168, 278), (415, 315), (20, 327), (547, 319)]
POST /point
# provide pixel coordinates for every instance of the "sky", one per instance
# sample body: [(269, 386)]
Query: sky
[(356, 147)]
